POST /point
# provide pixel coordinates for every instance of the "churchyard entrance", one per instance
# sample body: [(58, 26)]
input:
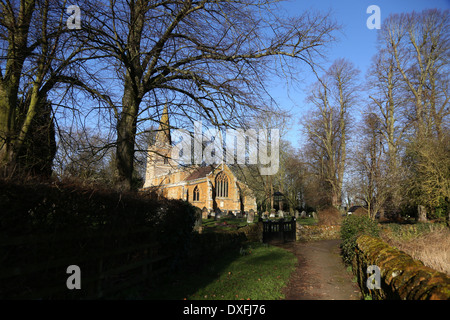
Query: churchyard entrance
[(279, 230)]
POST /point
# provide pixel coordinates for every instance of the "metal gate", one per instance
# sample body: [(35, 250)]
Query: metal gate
[(278, 231)]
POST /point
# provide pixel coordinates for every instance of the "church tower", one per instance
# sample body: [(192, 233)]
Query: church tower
[(159, 162)]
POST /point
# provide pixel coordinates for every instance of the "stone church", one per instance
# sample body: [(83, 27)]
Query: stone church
[(212, 188)]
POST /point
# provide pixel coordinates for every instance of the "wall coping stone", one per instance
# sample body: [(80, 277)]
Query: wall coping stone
[(402, 277)]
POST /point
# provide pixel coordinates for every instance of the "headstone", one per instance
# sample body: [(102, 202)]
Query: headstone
[(421, 213), (280, 214), (217, 214), (205, 213), (303, 214), (314, 215), (296, 214), (251, 216), (198, 220), (272, 213)]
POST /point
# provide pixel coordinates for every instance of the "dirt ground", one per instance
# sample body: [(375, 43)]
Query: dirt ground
[(320, 273)]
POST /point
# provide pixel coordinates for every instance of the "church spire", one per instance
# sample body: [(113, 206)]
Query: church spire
[(163, 134)]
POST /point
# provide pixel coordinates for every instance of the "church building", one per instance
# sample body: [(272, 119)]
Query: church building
[(212, 188)]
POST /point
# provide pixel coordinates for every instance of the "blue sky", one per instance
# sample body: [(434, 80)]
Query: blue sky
[(357, 43)]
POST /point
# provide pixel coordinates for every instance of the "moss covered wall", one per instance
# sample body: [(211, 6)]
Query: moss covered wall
[(308, 233), (402, 277)]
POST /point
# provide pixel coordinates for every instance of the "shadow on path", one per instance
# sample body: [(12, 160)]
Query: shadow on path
[(320, 273)]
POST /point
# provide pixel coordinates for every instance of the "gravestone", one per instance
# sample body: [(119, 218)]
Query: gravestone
[(205, 213), (303, 214), (314, 215), (421, 213), (280, 214), (198, 220), (218, 214), (251, 216), (296, 214), (272, 213)]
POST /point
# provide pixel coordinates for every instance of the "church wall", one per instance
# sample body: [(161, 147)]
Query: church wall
[(177, 190), (250, 203), (203, 190), (174, 186), (231, 202), (248, 198)]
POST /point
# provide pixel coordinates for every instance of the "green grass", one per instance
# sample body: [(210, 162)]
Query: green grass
[(307, 221), (257, 272)]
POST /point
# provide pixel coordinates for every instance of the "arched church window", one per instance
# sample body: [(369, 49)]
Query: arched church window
[(222, 185), (196, 194)]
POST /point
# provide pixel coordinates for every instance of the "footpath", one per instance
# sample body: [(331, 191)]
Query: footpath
[(320, 273)]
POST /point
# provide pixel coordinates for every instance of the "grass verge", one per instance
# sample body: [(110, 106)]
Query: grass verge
[(310, 221), (256, 272), (429, 243)]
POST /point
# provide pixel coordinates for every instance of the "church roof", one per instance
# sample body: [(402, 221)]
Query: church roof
[(200, 173)]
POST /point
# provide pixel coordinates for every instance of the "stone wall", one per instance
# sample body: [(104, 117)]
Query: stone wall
[(308, 233), (253, 232), (401, 277)]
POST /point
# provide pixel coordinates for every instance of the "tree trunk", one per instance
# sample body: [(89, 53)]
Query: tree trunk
[(126, 129), (335, 199), (271, 193), (17, 38), (7, 132), (126, 136)]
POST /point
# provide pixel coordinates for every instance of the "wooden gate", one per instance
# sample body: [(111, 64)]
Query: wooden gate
[(279, 231)]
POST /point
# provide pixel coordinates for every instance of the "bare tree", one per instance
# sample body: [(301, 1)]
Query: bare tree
[(37, 53), (390, 97), (371, 179), (83, 156), (208, 57), (264, 185), (327, 127), (428, 179), (291, 177), (419, 46)]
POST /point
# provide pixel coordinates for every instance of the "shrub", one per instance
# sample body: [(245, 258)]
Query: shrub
[(102, 231), (329, 216), (42, 210), (360, 212), (353, 227)]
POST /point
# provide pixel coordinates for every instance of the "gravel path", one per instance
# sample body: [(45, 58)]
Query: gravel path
[(320, 273)]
